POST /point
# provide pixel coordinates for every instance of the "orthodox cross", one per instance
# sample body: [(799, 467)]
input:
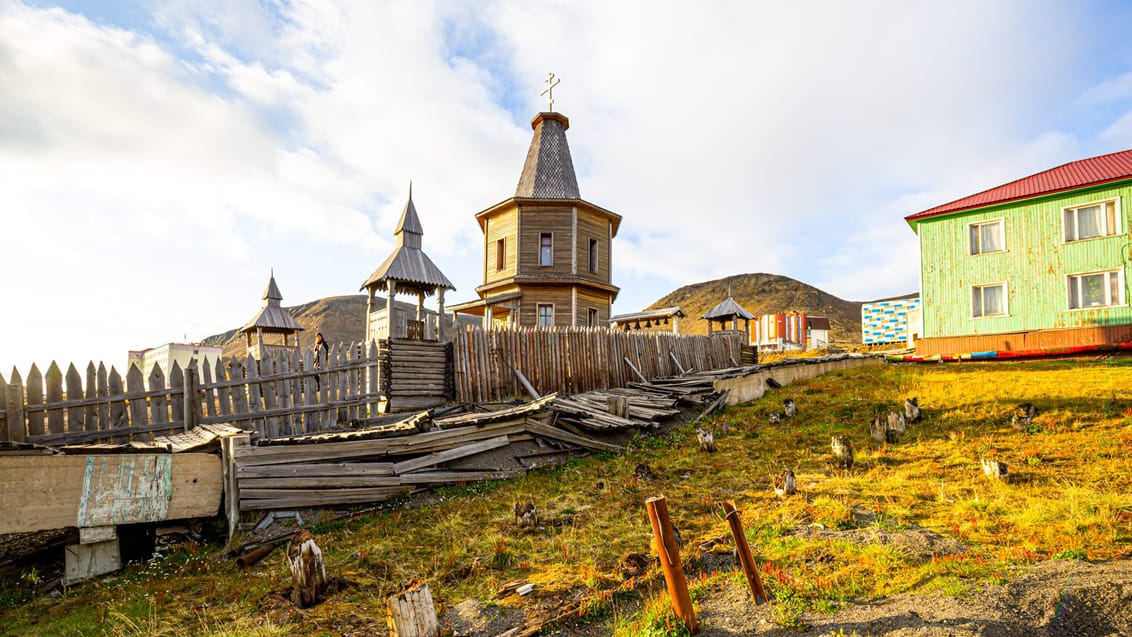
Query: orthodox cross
[(549, 90)]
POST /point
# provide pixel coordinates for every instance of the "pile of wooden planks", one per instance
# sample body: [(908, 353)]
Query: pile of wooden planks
[(592, 410), (328, 469)]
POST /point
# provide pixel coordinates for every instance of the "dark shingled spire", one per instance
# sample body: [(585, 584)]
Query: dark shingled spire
[(548, 172)]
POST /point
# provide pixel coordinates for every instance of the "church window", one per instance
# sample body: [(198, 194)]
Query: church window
[(545, 314), (546, 249)]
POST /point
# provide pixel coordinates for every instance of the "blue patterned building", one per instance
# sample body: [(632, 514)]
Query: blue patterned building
[(887, 320)]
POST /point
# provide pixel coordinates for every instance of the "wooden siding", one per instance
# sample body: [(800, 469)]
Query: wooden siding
[(560, 296), (1047, 340), (589, 299), (1034, 265), (591, 226), (503, 225), (534, 221)]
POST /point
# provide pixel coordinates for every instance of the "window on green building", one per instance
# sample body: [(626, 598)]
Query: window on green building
[(988, 300), (1096, 289), (1100, 219), (987, 237)]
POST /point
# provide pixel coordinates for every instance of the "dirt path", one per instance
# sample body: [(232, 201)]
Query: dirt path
[(1058, 597)]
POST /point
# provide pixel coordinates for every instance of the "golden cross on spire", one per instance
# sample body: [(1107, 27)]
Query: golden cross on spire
[(549, 91)]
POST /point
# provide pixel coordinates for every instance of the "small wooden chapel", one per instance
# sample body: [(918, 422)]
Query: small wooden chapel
[(547, 253)]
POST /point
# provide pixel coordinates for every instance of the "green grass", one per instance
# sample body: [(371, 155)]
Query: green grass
[(1069, 500)]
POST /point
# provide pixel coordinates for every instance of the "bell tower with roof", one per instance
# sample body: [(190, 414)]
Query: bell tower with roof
[(548, 253), (272, 323), (407, 270)]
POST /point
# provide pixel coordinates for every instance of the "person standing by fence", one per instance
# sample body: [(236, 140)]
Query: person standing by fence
[(321, 352)]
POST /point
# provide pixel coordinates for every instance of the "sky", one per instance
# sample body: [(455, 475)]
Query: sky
[(159, 159)]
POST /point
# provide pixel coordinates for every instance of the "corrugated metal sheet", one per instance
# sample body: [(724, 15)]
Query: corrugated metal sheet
[(1034, 265), (1094, 171)]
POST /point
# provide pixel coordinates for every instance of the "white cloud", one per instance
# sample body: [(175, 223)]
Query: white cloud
[(150, 174)]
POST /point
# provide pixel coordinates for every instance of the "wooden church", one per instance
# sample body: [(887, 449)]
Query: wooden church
[(547, 253)]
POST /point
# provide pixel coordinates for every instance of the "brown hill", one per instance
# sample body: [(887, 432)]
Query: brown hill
[(342, 318), (763, 293), (339, 318)]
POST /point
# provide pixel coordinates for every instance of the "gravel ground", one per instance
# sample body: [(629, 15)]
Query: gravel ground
[(1054, 598)]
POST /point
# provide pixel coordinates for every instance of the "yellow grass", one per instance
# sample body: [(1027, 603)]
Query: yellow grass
[(1069, 498)]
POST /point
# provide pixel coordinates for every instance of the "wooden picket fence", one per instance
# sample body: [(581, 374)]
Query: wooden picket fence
[(277, 396), (570, 360)]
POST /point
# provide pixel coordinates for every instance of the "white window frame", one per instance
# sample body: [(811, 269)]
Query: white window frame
[(549, 261), (538, 314), (1117, 223), (1005, 300), (1074, 281), (977, 250)]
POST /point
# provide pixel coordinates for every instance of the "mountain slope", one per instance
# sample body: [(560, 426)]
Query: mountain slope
[(763, 293), (339, 318), (342, 318)]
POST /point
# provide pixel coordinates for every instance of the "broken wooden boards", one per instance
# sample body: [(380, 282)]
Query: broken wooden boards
[(50, 492)]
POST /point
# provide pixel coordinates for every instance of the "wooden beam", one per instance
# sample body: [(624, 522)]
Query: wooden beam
[(50, 492), (450, 454)]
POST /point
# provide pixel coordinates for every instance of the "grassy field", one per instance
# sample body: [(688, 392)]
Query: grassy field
[(1070, 497)]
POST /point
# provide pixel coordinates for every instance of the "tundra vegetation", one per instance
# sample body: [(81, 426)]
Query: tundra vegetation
[(1069, 497)]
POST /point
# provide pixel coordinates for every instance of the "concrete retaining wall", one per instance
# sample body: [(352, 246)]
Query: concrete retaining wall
[(752, 386)]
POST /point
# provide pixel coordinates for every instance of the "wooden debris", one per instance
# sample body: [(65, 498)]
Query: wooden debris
[(912, 409), (411, 613), (308, 574), (526, 515), (894, 427), (995, 469), (788, 408), (750, 570), (669, 554), (785, 484), (842, 448), (715, 405), (1023, 416), (706, 439)]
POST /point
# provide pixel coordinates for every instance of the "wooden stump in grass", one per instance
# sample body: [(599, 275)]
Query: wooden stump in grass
[(411, 613), (308, 574)]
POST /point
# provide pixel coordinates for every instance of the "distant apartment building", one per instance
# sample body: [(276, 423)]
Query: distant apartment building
[(894, 320), (169, 353), (782, 331)]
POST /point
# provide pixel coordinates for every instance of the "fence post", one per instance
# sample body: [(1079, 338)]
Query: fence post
[(744, 549), (669, 554), (192, 417), (14, 429)]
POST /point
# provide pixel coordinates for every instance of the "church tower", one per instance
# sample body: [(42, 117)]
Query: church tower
[(548, 253)]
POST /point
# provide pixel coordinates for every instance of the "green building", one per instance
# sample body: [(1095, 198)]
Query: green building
[(1038, 264)]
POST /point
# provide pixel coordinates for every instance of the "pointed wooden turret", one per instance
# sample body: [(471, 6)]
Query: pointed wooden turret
[(548, 253), (407, 270), (272, 319)]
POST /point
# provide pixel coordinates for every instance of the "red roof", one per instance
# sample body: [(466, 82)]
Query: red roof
[(1076, 174)]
